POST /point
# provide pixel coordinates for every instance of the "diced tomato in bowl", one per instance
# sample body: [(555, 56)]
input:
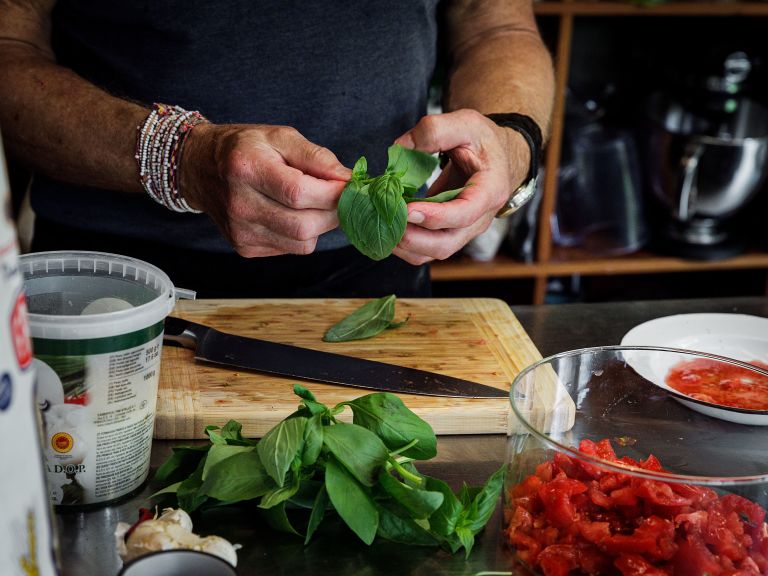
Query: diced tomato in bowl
[(572, 517)]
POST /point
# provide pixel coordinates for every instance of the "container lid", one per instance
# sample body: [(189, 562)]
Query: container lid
[(178, 563), (82, 295)]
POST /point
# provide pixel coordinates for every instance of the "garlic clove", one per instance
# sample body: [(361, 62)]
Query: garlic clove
[(176, 516), (219, 547)]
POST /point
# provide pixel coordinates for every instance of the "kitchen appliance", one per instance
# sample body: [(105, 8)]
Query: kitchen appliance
[(707, 157), (601, 208)]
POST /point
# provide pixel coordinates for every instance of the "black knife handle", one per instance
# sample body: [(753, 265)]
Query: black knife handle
[(181, 332)]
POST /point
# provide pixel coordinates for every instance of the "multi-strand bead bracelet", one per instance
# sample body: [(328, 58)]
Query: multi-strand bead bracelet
[(159, 145)]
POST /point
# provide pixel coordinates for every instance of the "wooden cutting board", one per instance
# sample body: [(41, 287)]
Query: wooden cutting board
[(476, 339)]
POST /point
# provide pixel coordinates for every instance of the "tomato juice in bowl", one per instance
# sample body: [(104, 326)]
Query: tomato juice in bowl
[(720, 383), (634, 482)]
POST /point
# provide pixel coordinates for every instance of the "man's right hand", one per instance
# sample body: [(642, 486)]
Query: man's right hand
[(268, 188)]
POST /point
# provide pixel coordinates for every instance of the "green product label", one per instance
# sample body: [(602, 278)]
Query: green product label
[(87, 347)]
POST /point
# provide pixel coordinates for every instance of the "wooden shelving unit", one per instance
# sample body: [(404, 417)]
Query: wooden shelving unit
[(553, 261)]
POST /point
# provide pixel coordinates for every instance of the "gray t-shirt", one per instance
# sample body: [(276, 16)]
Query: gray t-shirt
[(351, 76)]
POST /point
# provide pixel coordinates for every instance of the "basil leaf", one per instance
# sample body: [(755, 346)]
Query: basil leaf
[(484, 502), (403, 530), (358, 449), (392, 421), (467, 539), (313, 440), (232, 433), (214, 436), (280, 494), (220, 452), (181, 463), (365, 228), (239, 477), (168, 490), (278, 519), (318, 513), (468, 493), (351, 501), (360, 170), (418, 166), (188, 494), (386, 193), (303, 393), (370, 319), (409, 193), (443, 520), (280, 446), (394, 325), (307, 493), (419, 503), (445, 196)]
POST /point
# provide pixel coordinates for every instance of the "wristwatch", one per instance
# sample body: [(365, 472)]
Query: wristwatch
[(529, 130)]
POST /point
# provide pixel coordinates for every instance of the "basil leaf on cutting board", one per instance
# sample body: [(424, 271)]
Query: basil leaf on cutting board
[(311, 466), (370, 319)]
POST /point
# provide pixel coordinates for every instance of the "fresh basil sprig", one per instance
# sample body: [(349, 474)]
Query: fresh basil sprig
[(311, 465), (370, 319), (372, 209)]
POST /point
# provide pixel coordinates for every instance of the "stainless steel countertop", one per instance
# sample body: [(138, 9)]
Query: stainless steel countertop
[(86, 537)]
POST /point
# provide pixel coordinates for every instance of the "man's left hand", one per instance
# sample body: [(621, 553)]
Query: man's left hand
[(489, 160)]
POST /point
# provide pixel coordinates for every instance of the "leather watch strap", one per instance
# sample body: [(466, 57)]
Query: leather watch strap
[(528, 129)]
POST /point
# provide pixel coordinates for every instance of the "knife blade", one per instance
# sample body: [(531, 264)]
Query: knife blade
[(216, 347)]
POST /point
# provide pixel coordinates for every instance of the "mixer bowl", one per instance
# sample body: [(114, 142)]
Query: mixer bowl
[(703, 172)]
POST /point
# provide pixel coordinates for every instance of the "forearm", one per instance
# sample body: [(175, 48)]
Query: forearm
[(57, 123), (499, 63)]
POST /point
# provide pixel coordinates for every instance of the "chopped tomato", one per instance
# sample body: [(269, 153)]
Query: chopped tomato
[(558, 559), (556, 497), (659, 493), (693, 558), (577, 518), (636, 565)]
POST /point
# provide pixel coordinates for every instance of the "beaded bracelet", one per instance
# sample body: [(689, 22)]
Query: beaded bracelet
[(159, 145)]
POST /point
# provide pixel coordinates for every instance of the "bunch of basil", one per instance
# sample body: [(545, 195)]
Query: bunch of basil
[(311, 461), (373, 210)]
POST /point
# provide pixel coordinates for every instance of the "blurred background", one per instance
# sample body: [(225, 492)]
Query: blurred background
[(657, 187)]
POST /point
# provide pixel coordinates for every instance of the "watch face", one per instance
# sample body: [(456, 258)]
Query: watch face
[(518, 199)]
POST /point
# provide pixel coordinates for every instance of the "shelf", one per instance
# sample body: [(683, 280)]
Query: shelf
[(598, 8), (566, 262), (553, 261)]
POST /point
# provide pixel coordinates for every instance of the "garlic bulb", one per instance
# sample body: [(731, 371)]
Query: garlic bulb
[(171, 530)]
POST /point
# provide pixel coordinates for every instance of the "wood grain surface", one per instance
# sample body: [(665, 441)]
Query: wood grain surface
[(476, 339)]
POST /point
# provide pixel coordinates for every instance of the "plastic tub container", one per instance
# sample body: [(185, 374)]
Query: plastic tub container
[(96, 322)]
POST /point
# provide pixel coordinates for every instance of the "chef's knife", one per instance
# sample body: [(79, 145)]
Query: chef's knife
[(217, 347)]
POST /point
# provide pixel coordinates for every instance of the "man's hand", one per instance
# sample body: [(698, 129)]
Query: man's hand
[(269, 189), (491, 161)]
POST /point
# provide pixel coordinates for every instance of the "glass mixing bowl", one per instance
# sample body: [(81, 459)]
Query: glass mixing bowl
[(609, 472)]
